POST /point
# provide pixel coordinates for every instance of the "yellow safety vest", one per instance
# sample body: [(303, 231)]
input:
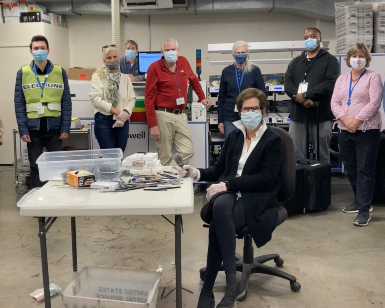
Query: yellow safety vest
[(49, 98)]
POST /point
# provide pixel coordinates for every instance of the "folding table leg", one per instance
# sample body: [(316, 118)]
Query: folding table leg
[(44, 262), (178, 259), (74, 249)]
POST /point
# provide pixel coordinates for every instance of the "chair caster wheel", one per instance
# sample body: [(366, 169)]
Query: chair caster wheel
[(279, 262), (202, 273), (295, 286)]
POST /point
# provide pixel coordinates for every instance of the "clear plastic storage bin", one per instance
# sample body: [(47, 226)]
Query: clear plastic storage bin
[(54, 165), (112, 288)]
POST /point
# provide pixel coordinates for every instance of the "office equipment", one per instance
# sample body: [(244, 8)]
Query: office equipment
[(146, 58)]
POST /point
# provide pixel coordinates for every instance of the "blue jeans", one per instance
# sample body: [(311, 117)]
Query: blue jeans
[(229, 127), (108, 137)]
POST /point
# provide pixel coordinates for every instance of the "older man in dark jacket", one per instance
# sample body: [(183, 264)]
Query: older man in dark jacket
[(42, 104), (310, 78)]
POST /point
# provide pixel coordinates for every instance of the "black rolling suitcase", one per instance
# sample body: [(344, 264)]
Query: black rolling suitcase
[(317, 178), (313, 182)]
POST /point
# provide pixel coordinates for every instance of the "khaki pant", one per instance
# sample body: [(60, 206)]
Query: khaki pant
[(173, 129)]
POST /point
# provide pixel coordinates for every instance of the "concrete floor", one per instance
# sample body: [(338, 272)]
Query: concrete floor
[(337, 264)]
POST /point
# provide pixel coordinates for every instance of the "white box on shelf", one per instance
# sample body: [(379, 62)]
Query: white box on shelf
[(12, 20), (54, 18), (11, 9)]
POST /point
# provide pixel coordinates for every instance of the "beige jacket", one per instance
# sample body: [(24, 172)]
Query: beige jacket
[(98, 94), (1, 132)]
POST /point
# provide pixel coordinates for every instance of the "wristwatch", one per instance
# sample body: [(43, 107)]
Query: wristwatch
[(304, 95), (227, 185)]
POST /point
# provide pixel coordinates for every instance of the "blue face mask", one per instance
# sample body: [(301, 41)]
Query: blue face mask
[(311, 44), (130, 54), (40, 55), (240, 59), (171, 56), (251, 119)]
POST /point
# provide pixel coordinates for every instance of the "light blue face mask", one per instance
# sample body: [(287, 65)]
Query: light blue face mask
[(311, 44), (130, 54), (251, 119), (171, 56), (40, 55)]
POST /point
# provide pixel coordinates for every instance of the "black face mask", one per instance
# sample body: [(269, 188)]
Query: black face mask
[(112, 65)]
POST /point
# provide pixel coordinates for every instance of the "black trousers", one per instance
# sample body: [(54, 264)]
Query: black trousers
[(41, 139), (359, 155), (229, 216)]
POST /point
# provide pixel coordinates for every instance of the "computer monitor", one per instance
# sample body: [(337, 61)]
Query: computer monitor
[(146, 58)]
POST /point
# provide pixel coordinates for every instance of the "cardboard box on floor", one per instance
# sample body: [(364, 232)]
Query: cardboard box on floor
[(78, 73)]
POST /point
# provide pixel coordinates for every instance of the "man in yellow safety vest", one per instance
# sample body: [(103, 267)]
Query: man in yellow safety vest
[(42, 104)]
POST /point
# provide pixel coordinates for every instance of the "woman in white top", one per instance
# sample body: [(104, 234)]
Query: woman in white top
[(112, 96), (247, 176)]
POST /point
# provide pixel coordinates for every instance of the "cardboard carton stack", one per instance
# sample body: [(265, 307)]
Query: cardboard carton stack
[(139, 163), (379, 27), (354, 24)]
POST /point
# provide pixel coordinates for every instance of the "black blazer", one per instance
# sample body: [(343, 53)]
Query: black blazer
[(259, 182)]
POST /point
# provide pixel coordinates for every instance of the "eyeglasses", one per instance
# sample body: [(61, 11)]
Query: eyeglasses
[(253, 109), (240, 53), (106, 46)]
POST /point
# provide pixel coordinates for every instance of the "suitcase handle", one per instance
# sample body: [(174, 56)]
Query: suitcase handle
[(316, 105)]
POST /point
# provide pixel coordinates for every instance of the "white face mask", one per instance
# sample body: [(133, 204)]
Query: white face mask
[(357, 63)]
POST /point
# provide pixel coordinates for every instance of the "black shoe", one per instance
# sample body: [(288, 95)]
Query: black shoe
[(206, 299), (230, 297), (352, 208), (362, 219)]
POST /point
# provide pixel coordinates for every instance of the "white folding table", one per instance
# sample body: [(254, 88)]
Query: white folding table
[(52, 201)]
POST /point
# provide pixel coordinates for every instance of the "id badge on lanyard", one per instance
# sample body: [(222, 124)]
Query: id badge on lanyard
[(304, 85), (180, 100), (41, 85), (239, 84)]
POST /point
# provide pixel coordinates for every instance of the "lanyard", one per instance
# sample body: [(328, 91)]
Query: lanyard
[(307, 70), (42, 86), (239, 82), (350, 87), (176, 80)]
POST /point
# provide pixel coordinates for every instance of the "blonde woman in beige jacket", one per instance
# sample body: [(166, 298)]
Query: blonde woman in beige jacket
[(112, 96)]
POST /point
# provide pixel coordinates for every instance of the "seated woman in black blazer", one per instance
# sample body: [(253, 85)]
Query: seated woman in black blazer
[(246, 194)]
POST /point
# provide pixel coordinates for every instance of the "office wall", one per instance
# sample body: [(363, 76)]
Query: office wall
[(89, 33)]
